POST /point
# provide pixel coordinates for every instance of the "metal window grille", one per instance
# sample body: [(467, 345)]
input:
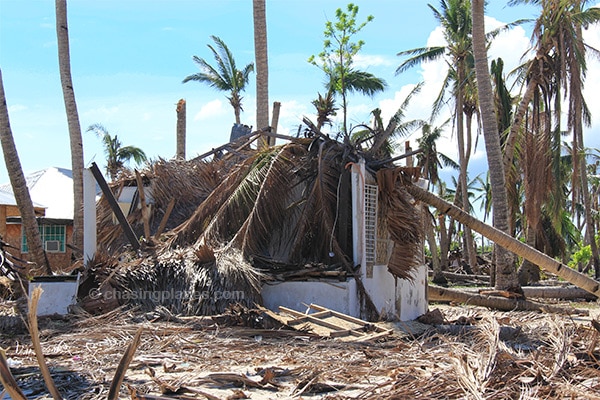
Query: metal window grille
[(370, 223)]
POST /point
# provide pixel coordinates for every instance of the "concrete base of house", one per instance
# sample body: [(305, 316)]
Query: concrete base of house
[(395, 299)]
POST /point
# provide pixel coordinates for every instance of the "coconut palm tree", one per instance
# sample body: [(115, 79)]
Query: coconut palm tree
[(262, 68), (505, 276), (455, 18), (117, 155), (75, 139), (559, 68), (225, 76), (17, 181)]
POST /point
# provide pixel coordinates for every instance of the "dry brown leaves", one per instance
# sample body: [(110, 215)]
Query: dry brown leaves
[(547, 357)]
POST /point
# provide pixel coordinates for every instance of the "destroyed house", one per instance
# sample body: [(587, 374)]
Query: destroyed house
[(305, 222)]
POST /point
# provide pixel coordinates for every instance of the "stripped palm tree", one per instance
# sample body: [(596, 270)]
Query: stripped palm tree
[(225, 76), (559, 67)]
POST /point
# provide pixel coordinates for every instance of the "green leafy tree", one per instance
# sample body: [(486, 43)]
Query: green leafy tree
[(337, 56), (224, 76), (117, 155)]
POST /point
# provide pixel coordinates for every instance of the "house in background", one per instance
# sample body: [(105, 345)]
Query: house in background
[(51, 191)]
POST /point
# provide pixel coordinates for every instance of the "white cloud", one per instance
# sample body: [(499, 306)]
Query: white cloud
[(211, 109), (16, 108), (362, 61)]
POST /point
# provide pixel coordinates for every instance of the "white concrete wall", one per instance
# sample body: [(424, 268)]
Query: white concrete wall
[(395, 299), (338, 296), (56, 296)]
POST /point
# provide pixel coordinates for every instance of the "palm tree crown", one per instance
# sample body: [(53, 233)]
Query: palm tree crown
[(116, 154), (224, 76)]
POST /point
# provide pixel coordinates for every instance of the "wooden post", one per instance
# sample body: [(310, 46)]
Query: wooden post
[(181, 129), (274, 122), (140, 186), (115, 207)]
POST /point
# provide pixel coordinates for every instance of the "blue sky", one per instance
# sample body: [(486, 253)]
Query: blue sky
[(128, 58)]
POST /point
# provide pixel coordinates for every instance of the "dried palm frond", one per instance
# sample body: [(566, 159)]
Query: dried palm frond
[(403, 221), (188, 233)]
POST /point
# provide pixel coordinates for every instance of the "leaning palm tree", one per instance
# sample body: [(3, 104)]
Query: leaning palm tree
[(225, 76), (17, 181), (116, 154), (64, 61)]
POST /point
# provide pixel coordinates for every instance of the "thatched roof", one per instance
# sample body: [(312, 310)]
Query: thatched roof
[(274, 210)]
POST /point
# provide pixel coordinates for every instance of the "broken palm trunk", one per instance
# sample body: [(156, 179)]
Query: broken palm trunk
[(506, 241)]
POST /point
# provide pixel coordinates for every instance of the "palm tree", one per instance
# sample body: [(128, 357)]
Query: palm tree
[(559, 68), (325, 106), (337, 57), (506, 241), (455, 18), (262, 69), (225, 76), (75, 139), (506, 277), (116, 154), (17, 181)]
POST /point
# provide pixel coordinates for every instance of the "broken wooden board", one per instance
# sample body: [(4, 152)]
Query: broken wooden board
[(329, 323)]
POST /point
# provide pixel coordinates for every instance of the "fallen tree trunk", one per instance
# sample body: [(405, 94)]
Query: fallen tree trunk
[(509, 243), (557, 292), (548, 292), (453, 277), (436, 293)]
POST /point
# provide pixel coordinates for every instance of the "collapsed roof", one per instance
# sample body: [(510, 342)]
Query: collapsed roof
[(247, 217)]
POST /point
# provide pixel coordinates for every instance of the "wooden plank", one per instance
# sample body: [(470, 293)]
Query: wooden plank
[(315, 315), (342, 316), (347, 332), (115, 207), (163, 221), (304, 318), (374, 336), (140, 187)]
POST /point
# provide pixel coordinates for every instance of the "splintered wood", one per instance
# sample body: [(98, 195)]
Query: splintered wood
[(545, 357)]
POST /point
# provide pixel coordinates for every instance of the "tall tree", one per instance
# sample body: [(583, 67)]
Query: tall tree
[(455, 18), (116, 154), (75, 139), (262, 69), (557, 72), (506, 277), (337, 57), (17, 181), (225, 76)]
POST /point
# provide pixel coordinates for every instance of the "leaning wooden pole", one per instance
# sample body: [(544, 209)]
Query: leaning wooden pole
[(508, 242)]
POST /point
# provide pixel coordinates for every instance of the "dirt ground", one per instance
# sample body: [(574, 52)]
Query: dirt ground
[(473, 353)]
